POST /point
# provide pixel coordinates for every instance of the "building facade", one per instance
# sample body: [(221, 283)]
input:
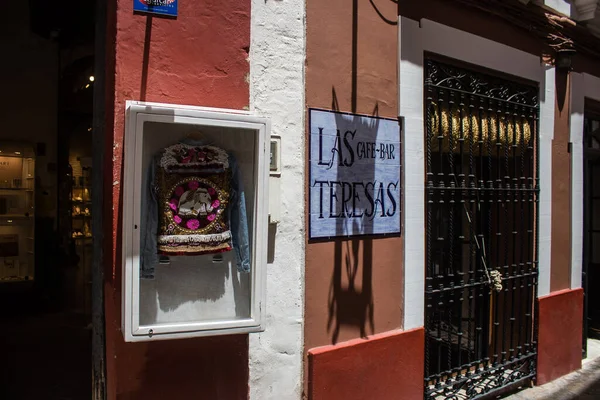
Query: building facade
[(485, 287)]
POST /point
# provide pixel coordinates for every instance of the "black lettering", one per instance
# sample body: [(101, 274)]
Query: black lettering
[(370, 199), (347, 144), (356, 197), (392, 199), (360, 150), (333, 195), (321, 195), (345, 212), (380, 199), (337, 148), (392, 155), (321, 148), (382, 151)]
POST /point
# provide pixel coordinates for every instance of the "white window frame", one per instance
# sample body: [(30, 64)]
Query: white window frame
[(136, 114), (582, 86), (416, 38)]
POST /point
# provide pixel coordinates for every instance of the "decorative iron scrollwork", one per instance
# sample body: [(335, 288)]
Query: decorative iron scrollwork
[(446, 76)]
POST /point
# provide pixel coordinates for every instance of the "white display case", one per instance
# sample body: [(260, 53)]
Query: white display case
[(17, 212), (193, 295)]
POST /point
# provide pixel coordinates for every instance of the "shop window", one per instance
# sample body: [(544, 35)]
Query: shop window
[(17, 196), (195, 216)]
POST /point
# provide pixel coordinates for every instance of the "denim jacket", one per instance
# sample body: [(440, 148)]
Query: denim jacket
[(236, 215)]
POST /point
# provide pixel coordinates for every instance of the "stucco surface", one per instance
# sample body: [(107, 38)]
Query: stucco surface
[(199, 58), (560, 322), (351, 66), (277, 91), (561, 188), (385, 366)]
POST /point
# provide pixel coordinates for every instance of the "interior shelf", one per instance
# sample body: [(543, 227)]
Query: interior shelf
[(81, 223), (16, 279), (17, 210)]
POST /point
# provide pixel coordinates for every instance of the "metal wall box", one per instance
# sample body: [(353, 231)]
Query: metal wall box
[(193, 295), (275, 180)]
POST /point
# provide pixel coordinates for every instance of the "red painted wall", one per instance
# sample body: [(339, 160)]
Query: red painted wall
[(385, 366), (353, 287), (199, 58), (337, 309), (560, 319), (560, 268)]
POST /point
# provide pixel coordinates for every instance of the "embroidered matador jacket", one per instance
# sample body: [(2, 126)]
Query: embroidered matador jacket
[(194, 205)]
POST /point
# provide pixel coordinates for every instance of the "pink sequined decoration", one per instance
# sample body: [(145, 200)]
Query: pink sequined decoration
[(193, 224)]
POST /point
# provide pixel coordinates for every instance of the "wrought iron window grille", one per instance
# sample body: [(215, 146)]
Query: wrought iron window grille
[(481, 195)]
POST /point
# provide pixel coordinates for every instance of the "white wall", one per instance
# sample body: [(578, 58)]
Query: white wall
[(416, 38), (560, 6), (277, 55), (582, 86)]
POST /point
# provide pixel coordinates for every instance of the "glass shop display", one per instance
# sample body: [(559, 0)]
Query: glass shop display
[(194, 220)]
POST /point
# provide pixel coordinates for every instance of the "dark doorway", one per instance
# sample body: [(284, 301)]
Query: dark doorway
[(47, 85), (481, 241), (591, 223)]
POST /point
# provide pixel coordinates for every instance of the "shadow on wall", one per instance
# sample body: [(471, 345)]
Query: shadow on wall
[(351, 304), (187, 281), (350, 298)]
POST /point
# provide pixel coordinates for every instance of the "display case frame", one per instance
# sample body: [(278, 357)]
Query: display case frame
[(137, 115)]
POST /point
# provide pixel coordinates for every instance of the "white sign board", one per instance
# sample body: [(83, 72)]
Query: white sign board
[(354, 175)]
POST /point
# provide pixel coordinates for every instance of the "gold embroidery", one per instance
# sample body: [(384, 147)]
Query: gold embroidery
[(223, 200), (215, 236), (479, 126)]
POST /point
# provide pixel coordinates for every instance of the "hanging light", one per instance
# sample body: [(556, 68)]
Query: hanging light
[(92, 78), (564, 59)]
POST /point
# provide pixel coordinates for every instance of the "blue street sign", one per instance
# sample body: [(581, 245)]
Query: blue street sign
[(163, 7)]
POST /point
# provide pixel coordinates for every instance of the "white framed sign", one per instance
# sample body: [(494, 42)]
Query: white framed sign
[(354, 175), (195, 221)]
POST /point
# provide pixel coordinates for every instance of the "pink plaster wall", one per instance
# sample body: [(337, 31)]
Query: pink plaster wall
[(199, 58)]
